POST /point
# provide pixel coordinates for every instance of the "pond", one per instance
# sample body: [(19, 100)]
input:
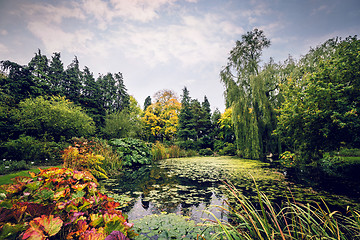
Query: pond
[(187, 186)]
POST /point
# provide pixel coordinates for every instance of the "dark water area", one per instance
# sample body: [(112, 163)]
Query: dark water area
[(188, 186)]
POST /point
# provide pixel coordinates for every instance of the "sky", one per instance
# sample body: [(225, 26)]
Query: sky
[(167, 44)]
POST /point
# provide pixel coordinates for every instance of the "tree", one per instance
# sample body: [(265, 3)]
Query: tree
[(245, 93), (125, 123), (186, 125), (39, 69), (161, 117), (56, 118), (72, 83), (147, 102), (56, 74), (320, 111), (90, 97)]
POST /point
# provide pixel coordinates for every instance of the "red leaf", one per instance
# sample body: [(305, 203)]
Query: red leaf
[(116, 235)]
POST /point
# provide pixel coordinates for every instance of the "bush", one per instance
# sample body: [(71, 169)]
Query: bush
[(229, 149), (13, 166), (134, 152), (206, 152), (349, 152), (81, 157), (112, 161), (288, 159), (158, 151), (59, 204), (30, 149), (56, 117)]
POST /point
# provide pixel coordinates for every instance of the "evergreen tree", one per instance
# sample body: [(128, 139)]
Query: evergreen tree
[(39, 68), (147, 102), (56, 74), (90, 98), (186, 125), (72, 85)]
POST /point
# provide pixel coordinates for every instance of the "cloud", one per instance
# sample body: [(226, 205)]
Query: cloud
[(4, 32), (193, 41), (3, 49), (56, 40)]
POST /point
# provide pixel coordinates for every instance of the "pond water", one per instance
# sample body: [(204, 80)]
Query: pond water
[(187, 186)]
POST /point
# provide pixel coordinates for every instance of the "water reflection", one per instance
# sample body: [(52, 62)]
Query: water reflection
[(190, 185)]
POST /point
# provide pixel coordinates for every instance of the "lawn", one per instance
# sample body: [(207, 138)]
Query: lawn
[(6, 179)]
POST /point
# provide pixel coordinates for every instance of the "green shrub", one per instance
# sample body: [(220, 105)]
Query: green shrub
[(191, 153), (349, 152), (229, 149), (206, 152), (133, 152), (30, 149), (288, 159), (59, 204), (13, 166)]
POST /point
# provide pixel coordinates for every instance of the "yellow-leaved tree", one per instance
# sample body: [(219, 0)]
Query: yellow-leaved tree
[(161, 117)]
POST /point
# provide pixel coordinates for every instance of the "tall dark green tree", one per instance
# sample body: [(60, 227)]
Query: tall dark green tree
[(56, 74), (147, 102), (72, 83), (39, 68), (90, 98), (186, 131)]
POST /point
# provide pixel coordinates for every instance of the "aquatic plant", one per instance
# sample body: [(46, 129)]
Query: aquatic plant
[(295, 220), (59, 204), (170, 226)]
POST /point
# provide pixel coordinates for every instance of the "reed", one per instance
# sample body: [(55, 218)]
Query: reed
[(292, 221)]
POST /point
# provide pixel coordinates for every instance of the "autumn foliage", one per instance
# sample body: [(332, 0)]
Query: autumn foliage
[(59, 204), (82, 158)]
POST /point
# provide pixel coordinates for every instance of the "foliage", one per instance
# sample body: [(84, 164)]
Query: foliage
[(206, 152), (125, 123), (134, 152), (229, 149), (293, 221), (57, 118), (112, 162), (320, 109), (59, 204), (158, 151), (250, 92), (161, 117), (288, 159), (29, 149), (226, 126), (81, 157), (12, 166), (169, 226)]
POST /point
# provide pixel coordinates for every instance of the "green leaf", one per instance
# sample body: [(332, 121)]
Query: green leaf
[(78, 194)]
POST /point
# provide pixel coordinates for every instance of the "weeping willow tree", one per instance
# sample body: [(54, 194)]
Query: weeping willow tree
[(251, 94)]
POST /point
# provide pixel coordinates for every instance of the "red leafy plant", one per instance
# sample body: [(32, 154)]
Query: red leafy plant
[(59, 203)]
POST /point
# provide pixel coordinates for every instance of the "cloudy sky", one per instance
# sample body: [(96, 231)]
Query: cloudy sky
[(167, 44)]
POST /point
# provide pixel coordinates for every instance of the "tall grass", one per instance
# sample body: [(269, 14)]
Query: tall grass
[(160, 151), (292, 221)]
